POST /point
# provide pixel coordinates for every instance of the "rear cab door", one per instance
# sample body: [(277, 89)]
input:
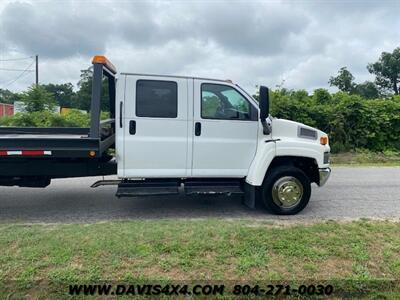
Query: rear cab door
[(153, 139)]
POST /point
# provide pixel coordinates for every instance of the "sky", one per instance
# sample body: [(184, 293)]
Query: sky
[(297, 44)]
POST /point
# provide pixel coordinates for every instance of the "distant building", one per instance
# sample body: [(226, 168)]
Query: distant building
[(6, 109), (19, 106)]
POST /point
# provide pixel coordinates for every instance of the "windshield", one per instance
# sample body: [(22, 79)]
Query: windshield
[(244, 91)]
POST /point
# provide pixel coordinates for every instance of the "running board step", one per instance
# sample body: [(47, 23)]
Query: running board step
[(150, 187), (211, 186)]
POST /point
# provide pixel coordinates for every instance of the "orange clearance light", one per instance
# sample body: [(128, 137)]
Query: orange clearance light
[(92, 153), (323, 140), (101, 59)]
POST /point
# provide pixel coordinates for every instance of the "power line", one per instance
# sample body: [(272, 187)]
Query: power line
[(14, 59), (7, 84), (22, 76), (6, 69)]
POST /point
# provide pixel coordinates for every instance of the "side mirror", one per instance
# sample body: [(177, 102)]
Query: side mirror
[(264, 109), (264, 102)]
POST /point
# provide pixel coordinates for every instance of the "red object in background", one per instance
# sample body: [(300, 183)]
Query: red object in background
[(6, 109)]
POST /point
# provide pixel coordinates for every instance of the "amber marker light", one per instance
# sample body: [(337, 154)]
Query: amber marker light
[(92, 153), (101, 59), (323, 140)]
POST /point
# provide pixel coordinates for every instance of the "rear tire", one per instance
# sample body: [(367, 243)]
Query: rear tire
[(286, 190)]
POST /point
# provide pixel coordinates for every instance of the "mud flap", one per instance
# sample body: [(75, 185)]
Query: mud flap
[(249, 195)]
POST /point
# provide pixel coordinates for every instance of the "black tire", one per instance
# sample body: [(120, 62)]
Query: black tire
[(276, 174)]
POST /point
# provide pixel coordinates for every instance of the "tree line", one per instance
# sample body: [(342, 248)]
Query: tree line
[(387, 78), (360, 115), (46, 96)]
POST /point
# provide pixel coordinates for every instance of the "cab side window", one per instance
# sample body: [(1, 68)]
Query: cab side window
[(156, 99), (223, 102)]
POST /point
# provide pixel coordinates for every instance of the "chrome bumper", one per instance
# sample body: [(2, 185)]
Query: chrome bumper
[(324, 174)]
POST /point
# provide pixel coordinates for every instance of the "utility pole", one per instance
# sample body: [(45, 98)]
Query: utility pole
[(37, 70)]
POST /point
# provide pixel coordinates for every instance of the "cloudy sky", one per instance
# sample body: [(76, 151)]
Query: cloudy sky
[(297, 43)]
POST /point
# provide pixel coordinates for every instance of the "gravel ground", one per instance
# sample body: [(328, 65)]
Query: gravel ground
[(351, 193)]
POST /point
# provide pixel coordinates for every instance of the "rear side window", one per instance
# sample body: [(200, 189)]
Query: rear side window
[(156, 99)]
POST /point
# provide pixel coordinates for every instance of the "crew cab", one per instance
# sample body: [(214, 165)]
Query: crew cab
[(176, 134)]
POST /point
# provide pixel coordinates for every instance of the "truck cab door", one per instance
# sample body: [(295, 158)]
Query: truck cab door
[(225, 130), (155, 127)]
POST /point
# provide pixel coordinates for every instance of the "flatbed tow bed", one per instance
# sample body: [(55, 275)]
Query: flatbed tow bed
[(31, 157)]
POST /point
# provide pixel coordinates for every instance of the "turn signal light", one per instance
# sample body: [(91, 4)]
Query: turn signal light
[(323, 140), (92, 153)]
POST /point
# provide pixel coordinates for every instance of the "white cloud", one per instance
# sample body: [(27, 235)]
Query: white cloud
[(302, 42)]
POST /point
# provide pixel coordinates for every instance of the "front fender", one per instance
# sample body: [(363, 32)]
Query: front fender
[(268, 150), (300, 148)]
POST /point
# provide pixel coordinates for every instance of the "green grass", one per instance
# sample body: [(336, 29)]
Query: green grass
[(366, 158), (353, 255)]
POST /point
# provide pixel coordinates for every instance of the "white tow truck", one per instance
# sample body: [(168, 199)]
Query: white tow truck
[(175, 134)]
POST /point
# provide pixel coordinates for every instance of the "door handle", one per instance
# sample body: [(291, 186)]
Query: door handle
[(132, 127), (197, 129), (120, 114)]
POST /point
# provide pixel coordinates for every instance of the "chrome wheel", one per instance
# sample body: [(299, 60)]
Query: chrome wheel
[(287, 192)]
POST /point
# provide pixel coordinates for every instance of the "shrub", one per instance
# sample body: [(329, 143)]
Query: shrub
[(76, 118), (351, 121), (46, 119), (38, 99)]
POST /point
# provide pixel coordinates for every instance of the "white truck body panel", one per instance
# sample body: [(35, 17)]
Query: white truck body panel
[(225, 148), (290, 144), (120, 135), (284, 141), (169, 147), (159, 148), (266, 152)]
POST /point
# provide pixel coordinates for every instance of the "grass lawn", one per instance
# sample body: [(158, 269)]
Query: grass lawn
[(366, 158), (359, 257)]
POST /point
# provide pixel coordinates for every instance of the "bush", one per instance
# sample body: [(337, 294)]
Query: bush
[(38, 99), (73, 118), (76, 118), (351, 121)]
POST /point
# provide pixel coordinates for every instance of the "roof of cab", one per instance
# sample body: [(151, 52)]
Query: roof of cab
[(175, 76)]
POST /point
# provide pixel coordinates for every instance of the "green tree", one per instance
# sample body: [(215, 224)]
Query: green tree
[(83, 96), (63, 93), (9, 97), (38, 99), (344, 81), (322, 96), (387, 71), (367, 90)]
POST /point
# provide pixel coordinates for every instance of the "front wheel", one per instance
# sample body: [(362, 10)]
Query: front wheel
[(286, 190)]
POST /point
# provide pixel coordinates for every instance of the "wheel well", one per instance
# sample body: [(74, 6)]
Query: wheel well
[(308, 165)]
